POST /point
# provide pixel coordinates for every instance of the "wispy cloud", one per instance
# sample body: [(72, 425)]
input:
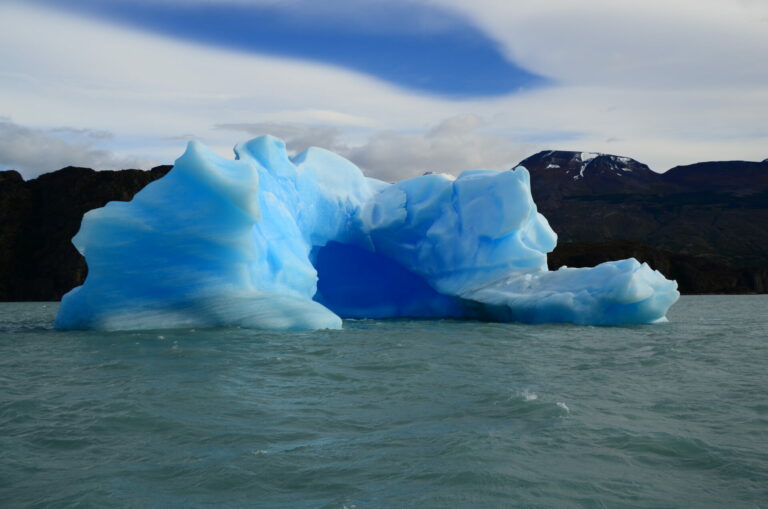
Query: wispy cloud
[(297, 136), (34, 151), (93, 134), (453, 145), (450, 146), (625, 94), (416, 45), (662, 44)]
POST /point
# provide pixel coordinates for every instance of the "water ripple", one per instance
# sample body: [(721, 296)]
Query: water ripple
[(389, 414)]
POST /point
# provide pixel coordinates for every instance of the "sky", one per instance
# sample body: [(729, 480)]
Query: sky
[(400, 87)]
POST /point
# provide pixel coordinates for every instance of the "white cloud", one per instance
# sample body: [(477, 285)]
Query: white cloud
[(92, 134), (690, 44), (297, 136), (36, 151), (664, 83), (147, 86), (451, 146)]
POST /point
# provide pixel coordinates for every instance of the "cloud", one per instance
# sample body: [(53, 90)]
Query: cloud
[(94, 134), (35, 151), (451, 146), (679, 44), (297, 136), (148, 89), (416, 45)]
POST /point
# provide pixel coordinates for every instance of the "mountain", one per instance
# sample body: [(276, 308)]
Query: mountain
[(704, 224), (737, 177), (556, 174), (38, 219)]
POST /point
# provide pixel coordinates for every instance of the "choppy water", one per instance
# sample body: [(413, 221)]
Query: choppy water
[(389, 414)]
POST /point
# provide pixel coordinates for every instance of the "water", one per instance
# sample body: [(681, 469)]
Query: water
[(389, 414)]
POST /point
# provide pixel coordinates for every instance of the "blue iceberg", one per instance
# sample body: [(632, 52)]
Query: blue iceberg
[(270, 241)]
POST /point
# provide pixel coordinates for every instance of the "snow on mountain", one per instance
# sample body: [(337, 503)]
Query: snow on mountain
[(557, 173)]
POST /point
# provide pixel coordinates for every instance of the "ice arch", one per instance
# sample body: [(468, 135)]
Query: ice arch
[(218, 243), (356, 283)]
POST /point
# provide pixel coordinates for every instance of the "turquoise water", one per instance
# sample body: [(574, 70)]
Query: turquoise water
[(389, 414)]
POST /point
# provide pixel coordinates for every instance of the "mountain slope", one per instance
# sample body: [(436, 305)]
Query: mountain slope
[(738, 177), (38, 219), (710, 217), (705, 225), (556, 174)]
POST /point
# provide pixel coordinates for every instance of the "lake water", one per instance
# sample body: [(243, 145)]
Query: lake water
[(389, 414)]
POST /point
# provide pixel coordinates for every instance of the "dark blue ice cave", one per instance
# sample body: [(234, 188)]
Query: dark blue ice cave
[(357, 283)]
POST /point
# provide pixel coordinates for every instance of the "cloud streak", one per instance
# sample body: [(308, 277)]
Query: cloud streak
[(36, 151), (450, 146), (109, 78), (297, 136), (662, 44), (415, 45)]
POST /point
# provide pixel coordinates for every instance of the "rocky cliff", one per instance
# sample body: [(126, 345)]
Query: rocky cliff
[(38, 219)]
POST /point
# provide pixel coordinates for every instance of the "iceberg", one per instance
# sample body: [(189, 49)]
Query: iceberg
[(269, 241)]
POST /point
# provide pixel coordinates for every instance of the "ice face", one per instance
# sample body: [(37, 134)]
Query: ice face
[(216, 243), (268, 241), (461, 234)]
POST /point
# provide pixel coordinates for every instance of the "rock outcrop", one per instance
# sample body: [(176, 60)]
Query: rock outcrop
[(38, 219)]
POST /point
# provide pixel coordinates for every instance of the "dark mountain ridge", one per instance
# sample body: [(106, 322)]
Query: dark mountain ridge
[(738, 177), (585, 173), (705, 224), (38, 219), (559, 173)]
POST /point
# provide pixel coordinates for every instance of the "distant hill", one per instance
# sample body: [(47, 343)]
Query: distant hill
[(561, 173), (556, 174), (38, 219), (737, 177), (705, 224)]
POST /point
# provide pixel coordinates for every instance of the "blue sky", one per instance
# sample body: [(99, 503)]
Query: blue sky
[(399, 87)]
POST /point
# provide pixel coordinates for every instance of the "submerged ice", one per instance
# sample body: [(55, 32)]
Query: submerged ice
[(274, 242)]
